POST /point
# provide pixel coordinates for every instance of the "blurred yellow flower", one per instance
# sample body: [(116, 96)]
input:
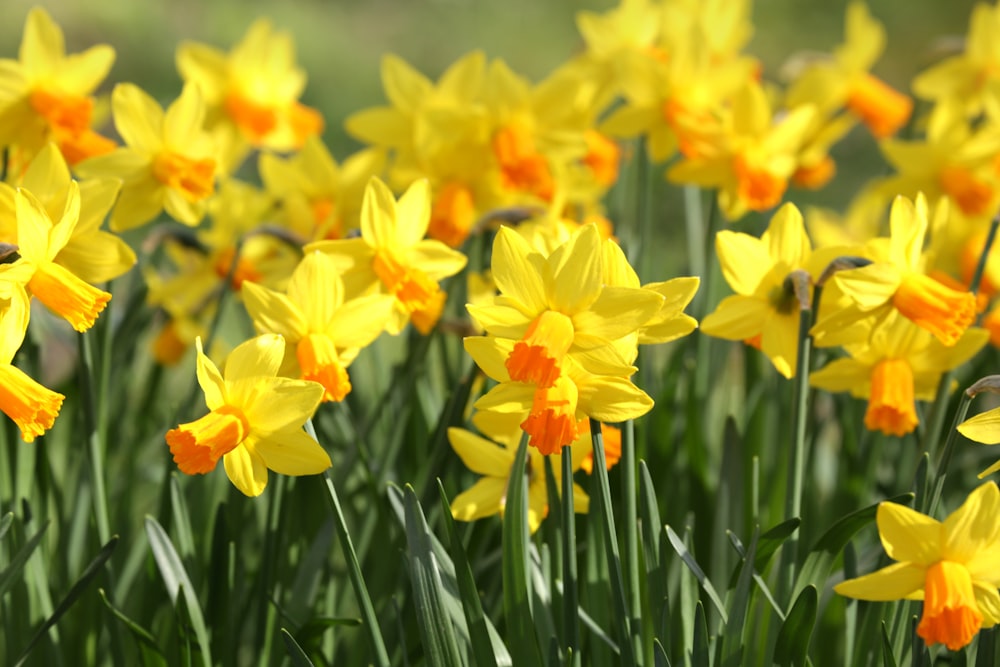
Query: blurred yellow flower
[(255, 419), (46, 95), (392, 256), (953, 566), (169, 161)]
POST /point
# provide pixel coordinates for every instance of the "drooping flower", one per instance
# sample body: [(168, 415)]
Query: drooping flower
[(169, 161), (493, 457), (953, 566), (47, 95), (392, 256), (31, 406), (899, 364), (324, 332), (255, 419)]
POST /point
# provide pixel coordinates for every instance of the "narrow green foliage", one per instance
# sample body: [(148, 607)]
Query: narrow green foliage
[(792, 647), (733, 645), (521, 637), (9, 575), (295, 652), (152, 655), (888, 659), (699, 645), (178, 584), (678, 544), (435, 625)]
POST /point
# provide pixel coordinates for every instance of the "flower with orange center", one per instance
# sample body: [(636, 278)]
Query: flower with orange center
[(452, 215), (39, 242), (254, 422), (603, 157), (973, 195), (899, 364), (897, 283), (758, 187), (169, 161), (879, 106), (392, 257), (31, 406), (556, 306), (252, 92), (522, 166), (46, 95), (953, 566), (324, 331)]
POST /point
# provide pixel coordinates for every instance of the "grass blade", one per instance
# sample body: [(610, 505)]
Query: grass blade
[(792, 646), (11, 572), (295, 652), (176, 579), (151, 653), (435, 625), (678, 544), (732, 639)]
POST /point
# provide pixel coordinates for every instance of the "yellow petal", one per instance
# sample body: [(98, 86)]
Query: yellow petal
[(360, 321), (275, 404), (617, 311), (246, 470), (260, 356), (435, 259), (404, 86), (846, 374), (870, 286), (577, 272), (272, 312), (519, 271), (988, 601), (508, 397), (786, 237), (378, 214), (138, 118), (745, 260), (612, 399), (479, 454), (316, 289), (209, 379), (737, 317), (490, 354), (779, 341), (908, 535), (973, 530), (482, 499), (499, 319), (894, 582), (293, 453), (380, 126), (984, 427), (413, 213)]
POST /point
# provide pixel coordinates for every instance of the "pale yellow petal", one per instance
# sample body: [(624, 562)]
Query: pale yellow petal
[(786, 237), (894, 582), (273, 312), (293, 453), (519, 271), (745, 260), (479, 454), (779, 341), (973, 530), (617, 311), (736, 318), (490, 354), (275, 404), (612, 399), (908, 535), (257, 357), (246, 470), (482, 499), (138, 118), (577, 272), (845, 374), (210, 379), (413, 213)]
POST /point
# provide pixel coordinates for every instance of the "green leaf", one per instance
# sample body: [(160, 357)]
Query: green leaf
[(472, 607), (660, 658), (732, 638), (688, 558), (295, 652), (699, 644), (92, 570), (11, 572), (888, 660), (522, 639), (182, 519), (178, 583), (820, 560), (5, 522), (761, 584), (649, 514), (435, 625), (792, 645), (315, 627), (152, 654)]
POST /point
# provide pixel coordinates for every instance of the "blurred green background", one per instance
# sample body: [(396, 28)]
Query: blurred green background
[(340, 42)]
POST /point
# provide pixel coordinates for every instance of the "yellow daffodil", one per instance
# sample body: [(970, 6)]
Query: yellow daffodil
[(953, 161), (392, 257), (31, 406), (764, 312), (970, 79), (252, 93), (46, 95), (323, 332), (493, 458), (556, 306), (255, 419), (984, 428), (169, 162), (752, 158), (899, 364), (953, 566), (318, 198), (551, 415), (92, 254), (845, 81), (40, 241), (898, 282)]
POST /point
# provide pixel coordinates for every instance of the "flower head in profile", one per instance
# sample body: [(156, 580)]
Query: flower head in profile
[(255, 419), (953, 566), (492, 457), (897, 282), (169, 162), (47, 95), (392, 256)]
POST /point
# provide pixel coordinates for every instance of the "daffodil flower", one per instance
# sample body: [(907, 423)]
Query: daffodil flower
[(392, 256), (31, 406), (493, 458), (900, 283), (953, 566), (47, 95), (323, 331), (169, 161), (255, 419), (983, 428), (39, 241), (898, 364)]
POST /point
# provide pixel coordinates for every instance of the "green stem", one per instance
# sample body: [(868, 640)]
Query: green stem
[(571, 621), (611, 545), (95, 448), (629, 495)]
